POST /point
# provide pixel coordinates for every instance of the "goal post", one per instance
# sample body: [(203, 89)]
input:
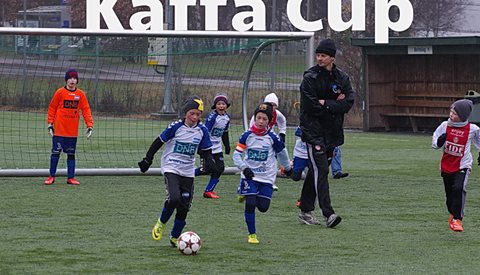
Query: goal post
[(126, 93)]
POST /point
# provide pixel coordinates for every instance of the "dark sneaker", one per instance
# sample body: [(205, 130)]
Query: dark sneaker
[(340, 175), (333, 220), (307, 218)]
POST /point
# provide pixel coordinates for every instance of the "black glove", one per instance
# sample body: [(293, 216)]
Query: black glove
[(441, 140), (227, 149), (288, 173), (282, 137), (144, 164), (89, 132), (50, 129), (248, 173), (478, 159)]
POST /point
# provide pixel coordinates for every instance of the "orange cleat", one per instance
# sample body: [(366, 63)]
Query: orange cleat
[(456, 225), (73, 181), (210, 195), (450, 219), (49, 181)]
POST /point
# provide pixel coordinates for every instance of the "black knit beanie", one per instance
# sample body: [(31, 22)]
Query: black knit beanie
[(193, 102), (71, 73), (327, 46), (266, 108)]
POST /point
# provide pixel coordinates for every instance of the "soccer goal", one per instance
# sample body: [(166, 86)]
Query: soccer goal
[(135, 85)]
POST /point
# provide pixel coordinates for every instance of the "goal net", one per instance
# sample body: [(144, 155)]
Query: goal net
[(135, 87)]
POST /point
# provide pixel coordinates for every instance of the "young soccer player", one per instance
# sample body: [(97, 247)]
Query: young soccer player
[(63, 119), (217, 124), (278, 119), (256, 156), (454, 136), (182, 139)]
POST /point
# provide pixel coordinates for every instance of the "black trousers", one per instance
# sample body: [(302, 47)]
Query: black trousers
[(456, 191), (315, 187), (179, 194)]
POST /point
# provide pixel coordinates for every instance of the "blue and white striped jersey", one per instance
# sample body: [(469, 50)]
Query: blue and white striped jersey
[(181, 145)]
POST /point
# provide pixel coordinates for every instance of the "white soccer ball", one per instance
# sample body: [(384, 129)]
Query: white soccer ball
[(189, 243)]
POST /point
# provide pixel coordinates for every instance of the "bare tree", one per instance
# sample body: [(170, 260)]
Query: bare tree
[(436, 17)]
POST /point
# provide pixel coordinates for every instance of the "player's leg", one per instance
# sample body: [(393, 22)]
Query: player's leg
[(186, 190), (459, 192), (172, 187), (248, 190), (54, 158), (215, 177), (70, 145), (265, 192)]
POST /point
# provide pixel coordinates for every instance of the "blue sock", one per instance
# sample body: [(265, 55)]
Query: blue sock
[(211, 184), (250, 220), (178, 226), (53, 164), (166, 214), (70, 168)]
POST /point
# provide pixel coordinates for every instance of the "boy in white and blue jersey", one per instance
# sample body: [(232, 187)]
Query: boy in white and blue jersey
[(217, 124), (182, 139), (256, 155), (300, 156)]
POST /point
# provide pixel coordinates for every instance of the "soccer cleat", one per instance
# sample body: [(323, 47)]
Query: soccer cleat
[(333, 220), (450, 219), (73, 181), (456, 225), (241, 199), (173, 241), (49, 181), (157, 231), (211, 195), (252, 239), (307, 218)]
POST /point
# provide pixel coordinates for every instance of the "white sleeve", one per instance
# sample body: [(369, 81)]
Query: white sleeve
[(281, 123), (476, 136)]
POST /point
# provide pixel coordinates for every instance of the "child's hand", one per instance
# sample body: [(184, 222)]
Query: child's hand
[(441, 140), (248, 173), (144, 164)]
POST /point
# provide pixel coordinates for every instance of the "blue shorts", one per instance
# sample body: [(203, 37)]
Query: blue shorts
[(65, 144), (252, 187), (299, 164)]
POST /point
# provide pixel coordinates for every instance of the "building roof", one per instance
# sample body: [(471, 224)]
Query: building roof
[(43, 9), (439, 45)]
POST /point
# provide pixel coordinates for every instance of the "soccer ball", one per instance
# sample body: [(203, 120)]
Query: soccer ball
[(189, 243)]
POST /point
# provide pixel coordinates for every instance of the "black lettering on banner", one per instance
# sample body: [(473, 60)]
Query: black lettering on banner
[(70, 104)]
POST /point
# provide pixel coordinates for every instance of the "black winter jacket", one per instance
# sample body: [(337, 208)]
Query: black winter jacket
[(323, 124)]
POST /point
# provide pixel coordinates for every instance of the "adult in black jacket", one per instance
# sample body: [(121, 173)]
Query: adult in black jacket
[(325, 96)]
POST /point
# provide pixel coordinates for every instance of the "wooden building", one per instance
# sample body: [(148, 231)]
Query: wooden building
[(410, 83)]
